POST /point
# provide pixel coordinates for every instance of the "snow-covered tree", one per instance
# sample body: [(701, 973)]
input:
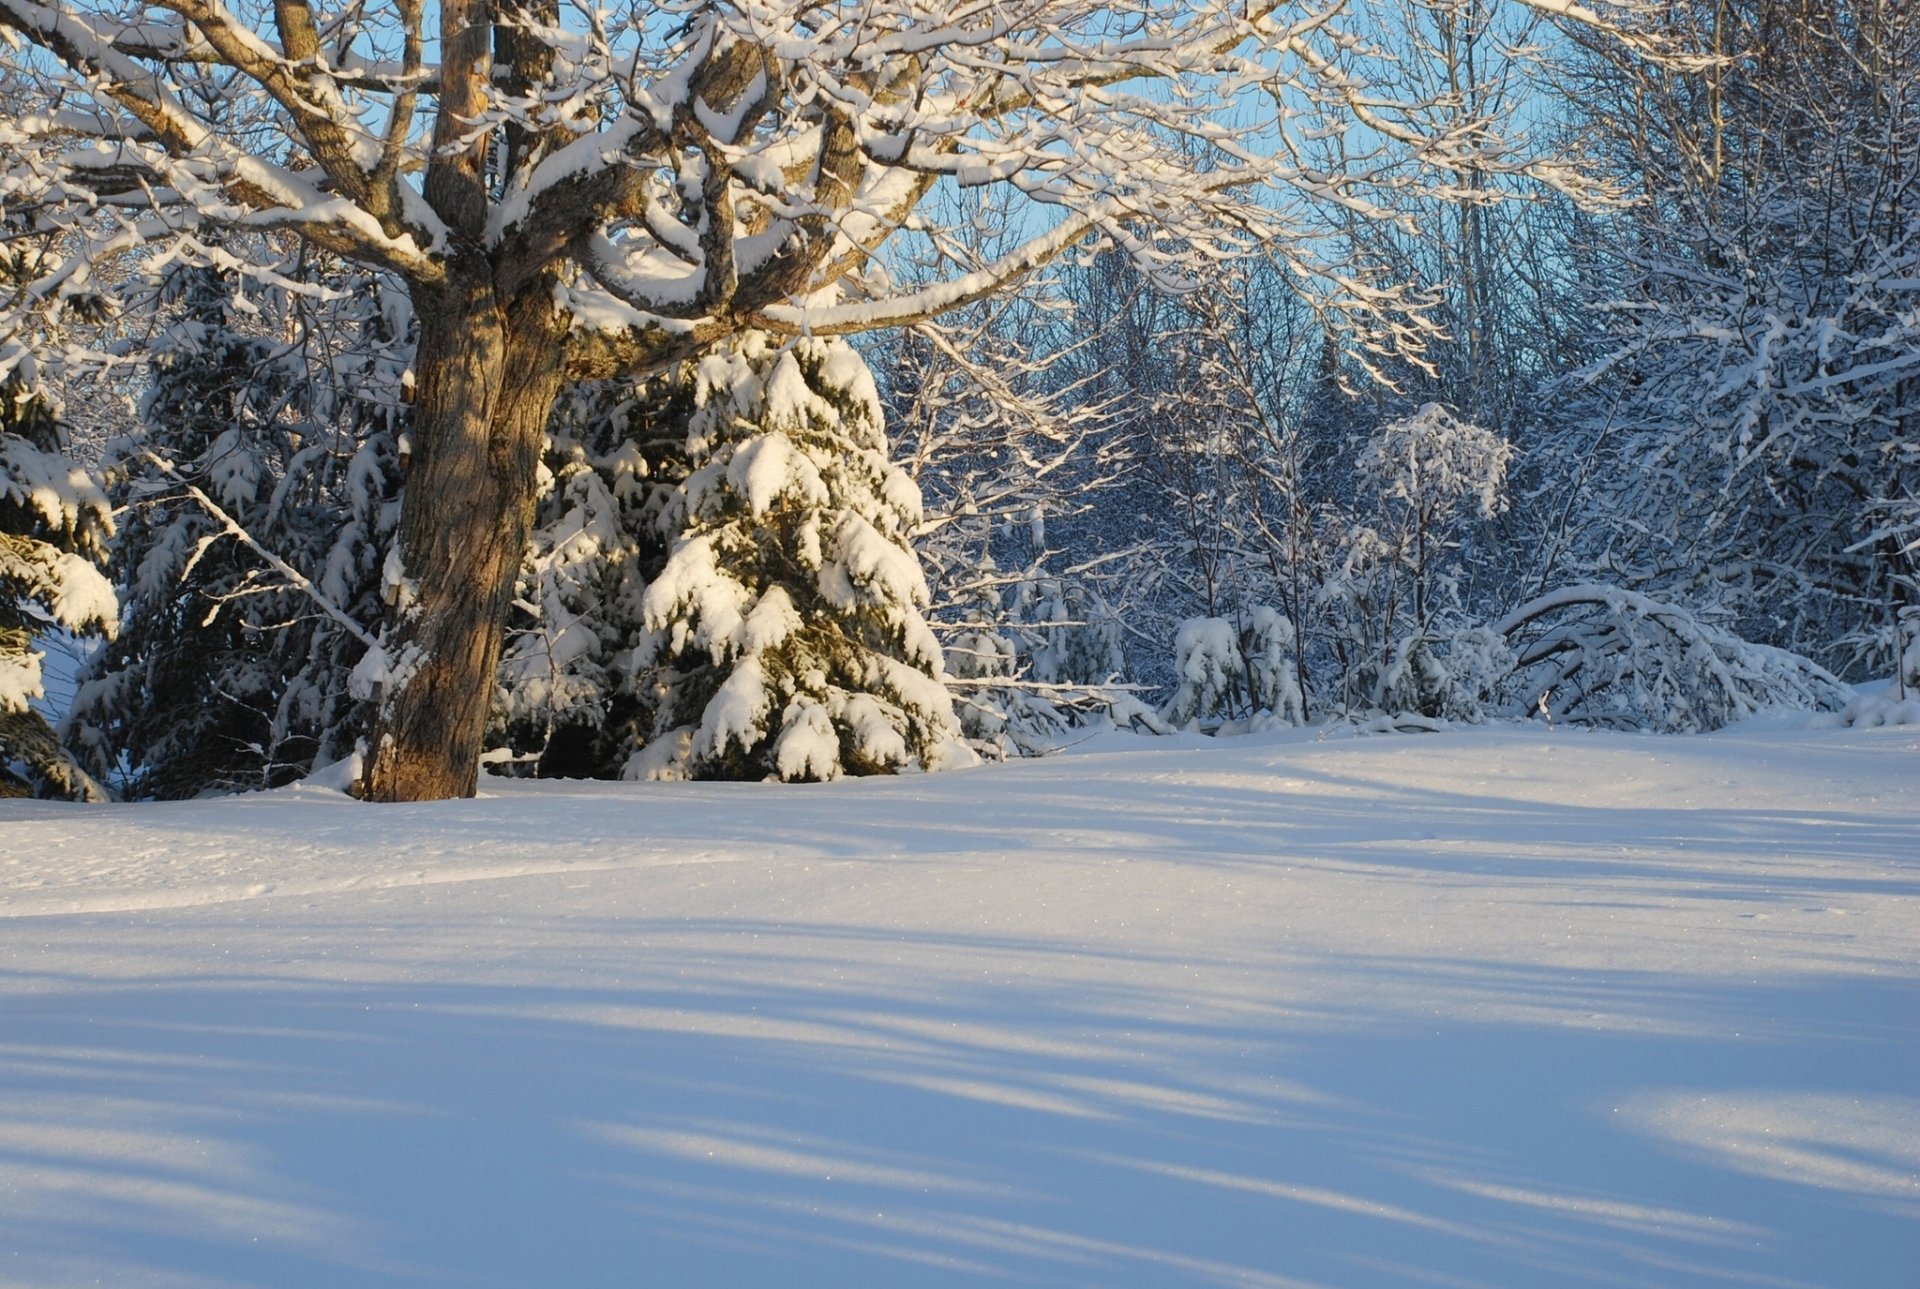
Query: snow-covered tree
[(54, 526), (1211, 672), (1753, 416), (571, 193), (1268, 647), (789, 637), (258, 508), (1430, 477), (611, 505), (1009, 446)]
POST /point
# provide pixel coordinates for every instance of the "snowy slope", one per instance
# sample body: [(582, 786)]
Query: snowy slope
[(1489, 1008)]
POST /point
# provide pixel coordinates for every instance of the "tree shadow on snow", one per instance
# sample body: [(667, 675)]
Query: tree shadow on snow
[(955, 1110)]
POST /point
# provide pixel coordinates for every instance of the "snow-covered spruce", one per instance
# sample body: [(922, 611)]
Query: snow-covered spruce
[(788, 631), (611, 504), (1030, 658), (54, 526), (228, 674), (982, 660)]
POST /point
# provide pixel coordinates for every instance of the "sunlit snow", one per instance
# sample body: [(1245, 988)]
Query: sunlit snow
[(1490, 1008)]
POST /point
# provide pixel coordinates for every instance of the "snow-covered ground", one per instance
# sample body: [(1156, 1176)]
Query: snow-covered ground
[(1492, 1008)]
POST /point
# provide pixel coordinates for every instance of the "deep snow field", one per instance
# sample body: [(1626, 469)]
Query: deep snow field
[(1487, 1008)]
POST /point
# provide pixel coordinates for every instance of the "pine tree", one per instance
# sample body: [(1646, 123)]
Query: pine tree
[(259, 495), (54, 526), (789, 638), (568, 702)]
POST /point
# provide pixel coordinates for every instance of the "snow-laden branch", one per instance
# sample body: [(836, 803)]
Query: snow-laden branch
[(231, 527)]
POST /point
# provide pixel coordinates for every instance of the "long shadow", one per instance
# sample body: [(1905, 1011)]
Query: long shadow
[(963, 1110)]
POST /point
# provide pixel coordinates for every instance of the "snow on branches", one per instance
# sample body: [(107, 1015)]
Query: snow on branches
[(1602, 655), (54, 525), (788, 637)]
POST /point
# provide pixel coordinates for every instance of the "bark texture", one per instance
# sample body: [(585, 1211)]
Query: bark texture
[(488, 372)]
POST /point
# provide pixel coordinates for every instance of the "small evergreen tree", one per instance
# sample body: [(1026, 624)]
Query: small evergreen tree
[(1210, 670), (1267, 645), (788, 637)]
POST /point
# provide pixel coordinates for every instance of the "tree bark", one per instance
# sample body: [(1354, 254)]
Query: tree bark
[(487, 373)]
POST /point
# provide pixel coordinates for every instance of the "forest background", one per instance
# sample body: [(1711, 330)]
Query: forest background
[(1622, 432)]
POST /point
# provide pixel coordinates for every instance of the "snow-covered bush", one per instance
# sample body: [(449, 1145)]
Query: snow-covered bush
[(54, 525), (1234, 671), (980, 658), (1909, 669), (1602, 655), (1395, 596), (787, 629), (1875, 711)]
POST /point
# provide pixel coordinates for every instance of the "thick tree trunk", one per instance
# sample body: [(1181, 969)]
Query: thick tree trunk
[(487, 373)]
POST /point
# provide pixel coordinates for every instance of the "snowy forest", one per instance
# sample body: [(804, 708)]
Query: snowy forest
[(795, 389)]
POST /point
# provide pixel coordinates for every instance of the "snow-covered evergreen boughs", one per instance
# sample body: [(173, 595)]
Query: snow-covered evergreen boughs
[(611, 503), (54, 524), (272, 421), (1268, 647), (1235, 672), (789, 638)]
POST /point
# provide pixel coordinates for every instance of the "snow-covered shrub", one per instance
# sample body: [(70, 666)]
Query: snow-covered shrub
[(1230, 671), (54, 525), (787, 629), (1602, 655), (979, 659), (1875, 711), (1211, 671), (1474, 669), (1395, 596), (1910, 656)]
